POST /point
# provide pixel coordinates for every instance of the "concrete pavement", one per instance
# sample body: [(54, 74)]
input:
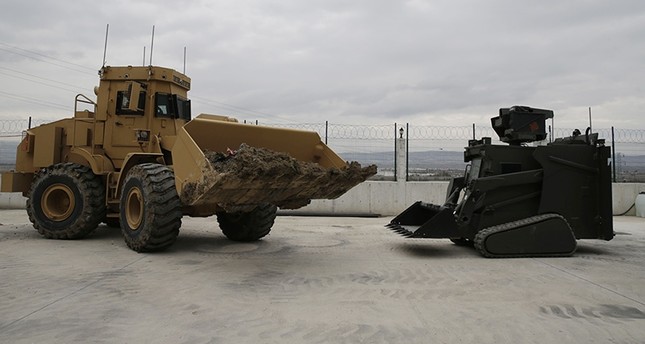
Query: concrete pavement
[(314, 280)]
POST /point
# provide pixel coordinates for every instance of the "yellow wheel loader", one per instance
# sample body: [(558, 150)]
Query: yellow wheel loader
[(138, 160)]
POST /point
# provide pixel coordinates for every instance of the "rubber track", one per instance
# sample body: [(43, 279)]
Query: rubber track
[(92, 191), (482, 235)]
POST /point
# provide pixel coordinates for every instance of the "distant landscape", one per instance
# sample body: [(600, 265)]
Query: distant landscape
[(8, 148), (443, 165), (423, 165)]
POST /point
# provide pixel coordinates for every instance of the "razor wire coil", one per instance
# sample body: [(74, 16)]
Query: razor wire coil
[(14, 127)]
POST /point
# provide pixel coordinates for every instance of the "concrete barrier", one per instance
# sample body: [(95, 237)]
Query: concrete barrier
[(389, 198), (12, 200), (624, 197), (378, 198)]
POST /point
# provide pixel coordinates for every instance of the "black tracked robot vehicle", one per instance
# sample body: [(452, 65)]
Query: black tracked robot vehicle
[(522, 201)]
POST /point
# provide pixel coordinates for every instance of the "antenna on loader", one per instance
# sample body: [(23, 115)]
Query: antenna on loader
[(152, 42), (184, 61), (107, 29)]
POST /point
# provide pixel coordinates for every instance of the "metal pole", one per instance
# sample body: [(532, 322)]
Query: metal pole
[(590, 128), (395, 151), (326, 130), (407, 151), (550, 134), (29, 124), (474, 137), (184, 60), (152, 43), (107, 28), (613, 154)]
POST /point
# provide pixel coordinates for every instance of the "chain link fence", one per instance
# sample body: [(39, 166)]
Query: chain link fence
[(434, 152), (373, 144)]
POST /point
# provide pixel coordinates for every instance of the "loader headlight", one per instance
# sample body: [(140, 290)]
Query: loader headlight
[(142, 135)]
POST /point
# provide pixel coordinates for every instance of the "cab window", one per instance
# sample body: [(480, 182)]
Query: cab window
[(131, 101), (172, 106), (163, 105)]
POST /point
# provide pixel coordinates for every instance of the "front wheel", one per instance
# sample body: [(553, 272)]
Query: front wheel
[(150, 209), (66, 201), (248, 226)]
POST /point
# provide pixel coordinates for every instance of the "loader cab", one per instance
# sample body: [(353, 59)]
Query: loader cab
[(140, 106)]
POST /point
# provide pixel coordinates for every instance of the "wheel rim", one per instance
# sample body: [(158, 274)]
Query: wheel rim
[(58, 202), (134, 208)]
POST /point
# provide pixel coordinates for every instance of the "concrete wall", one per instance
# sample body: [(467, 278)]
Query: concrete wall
[(12, 200), (624, 196), (389, 198), (381, 198)]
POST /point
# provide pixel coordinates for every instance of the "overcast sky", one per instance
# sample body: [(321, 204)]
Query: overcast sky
[(356, 62)]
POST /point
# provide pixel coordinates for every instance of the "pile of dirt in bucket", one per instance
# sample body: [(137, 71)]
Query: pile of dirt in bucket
[(253, 175)]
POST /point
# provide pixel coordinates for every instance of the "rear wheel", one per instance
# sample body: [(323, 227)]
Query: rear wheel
[(248, 226), (150, 208), (66, 201)]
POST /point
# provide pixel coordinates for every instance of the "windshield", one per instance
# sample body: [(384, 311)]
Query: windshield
[(172, 106)]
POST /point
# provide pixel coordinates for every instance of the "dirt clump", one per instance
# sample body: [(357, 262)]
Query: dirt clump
[(254, 175)]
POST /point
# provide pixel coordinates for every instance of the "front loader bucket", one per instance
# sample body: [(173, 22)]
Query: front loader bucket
[(225, 165), (424, 220)]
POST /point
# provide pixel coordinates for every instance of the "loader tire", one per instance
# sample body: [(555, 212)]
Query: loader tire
[(248, 226), (150, 210), (66, 201)]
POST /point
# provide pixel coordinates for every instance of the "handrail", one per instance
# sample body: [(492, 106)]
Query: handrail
[(81, 98)]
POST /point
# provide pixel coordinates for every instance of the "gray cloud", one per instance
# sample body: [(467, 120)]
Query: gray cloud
[(427, 62)]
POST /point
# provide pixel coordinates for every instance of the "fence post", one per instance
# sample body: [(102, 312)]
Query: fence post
[(407, 151), (400, 155), (550, 135), (396, 152), (326, 130), (613, 155)]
